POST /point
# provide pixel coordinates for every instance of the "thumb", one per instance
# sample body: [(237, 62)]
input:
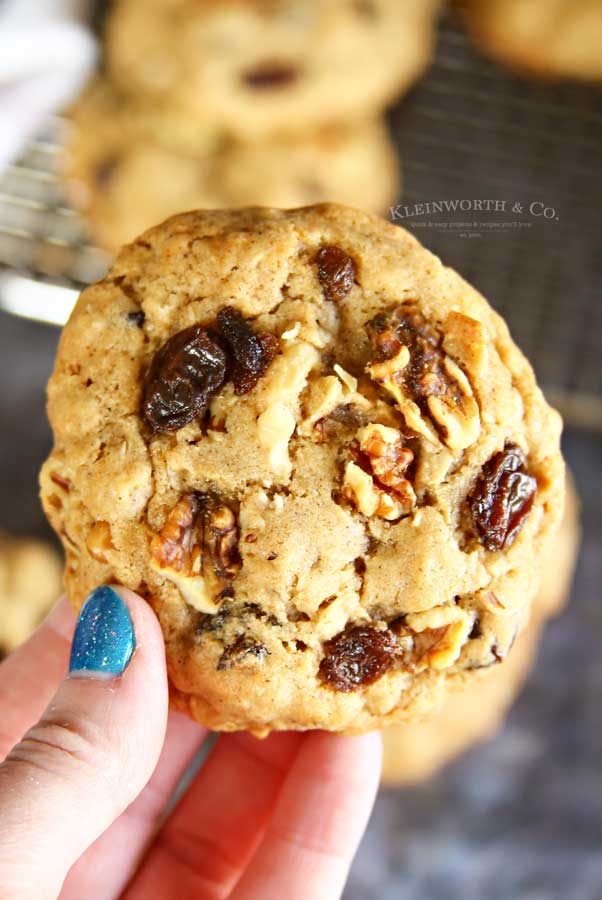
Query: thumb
[(92, 751)]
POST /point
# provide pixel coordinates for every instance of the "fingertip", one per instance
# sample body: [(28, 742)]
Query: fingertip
[(61, 618), (148, 635)]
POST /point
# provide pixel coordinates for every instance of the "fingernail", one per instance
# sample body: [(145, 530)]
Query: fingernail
[(104, 638)]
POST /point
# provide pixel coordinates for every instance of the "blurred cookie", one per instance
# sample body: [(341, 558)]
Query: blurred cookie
[(414, 751), (30, 582), (254, 68), (550, 38), (124, 182)]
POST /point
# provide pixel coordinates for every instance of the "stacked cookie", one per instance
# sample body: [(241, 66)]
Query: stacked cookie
[(245, 102), (553, 39)]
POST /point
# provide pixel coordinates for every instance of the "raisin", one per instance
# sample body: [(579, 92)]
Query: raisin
[(212, 622), (502, 498), (476, 631), (358, 656), (250, 354), (242, 648), (359, 565), (424, 376), (271, 75), (106, 169), (336, 272), (136, 317), (183, 377)]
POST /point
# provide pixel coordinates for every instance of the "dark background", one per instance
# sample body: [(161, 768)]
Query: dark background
[(519, 818)]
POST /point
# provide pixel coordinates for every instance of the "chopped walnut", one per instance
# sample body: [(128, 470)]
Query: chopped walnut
[(197, 549), (348, 381), (439, 635), (389, 459), (283, 385), (322, 397), (360, 489), (375, 481), (431, 390), (99, 541)]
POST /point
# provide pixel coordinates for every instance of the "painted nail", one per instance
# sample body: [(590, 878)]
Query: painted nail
[(104, 638)]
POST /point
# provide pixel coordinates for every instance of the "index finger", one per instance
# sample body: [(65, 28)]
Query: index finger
[(318, 821), (30, 675)]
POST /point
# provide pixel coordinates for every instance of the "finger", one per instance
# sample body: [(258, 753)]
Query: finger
[(31, 674), (117, 852), (93, 750), (319, 819), (206, 843)]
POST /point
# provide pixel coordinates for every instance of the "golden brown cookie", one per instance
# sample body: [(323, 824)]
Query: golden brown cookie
[(124, 181), (254, 68), (317, 452), (413, 751), (548, 38), (30, 582)]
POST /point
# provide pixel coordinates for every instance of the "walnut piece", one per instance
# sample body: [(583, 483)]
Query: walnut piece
[(99, 541), (283, 385), (197, 549), (432, 392), (439, 635), (375, 480)]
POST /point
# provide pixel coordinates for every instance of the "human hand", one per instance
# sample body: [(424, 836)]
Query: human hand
[(262, 820)]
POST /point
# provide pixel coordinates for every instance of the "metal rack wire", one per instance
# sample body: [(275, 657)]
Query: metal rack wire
[(468, 130)]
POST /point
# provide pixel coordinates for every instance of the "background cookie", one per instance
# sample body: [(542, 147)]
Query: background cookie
[(413, 751), (551, 38), (254, 67), (124, 182), (316, 451), (30, 582)]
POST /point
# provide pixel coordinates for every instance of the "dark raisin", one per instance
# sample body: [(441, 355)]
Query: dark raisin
[(358, 656), (106, 169), (242, 648), (336, 272), (136, 317), (424, 376), (348, 414), (253, 609), (366, 9), (3, 653), (502, 498), (212, 622), (360, 565), (127, 288), (183, 377), (250, 354), (476, 631), (271, 75)]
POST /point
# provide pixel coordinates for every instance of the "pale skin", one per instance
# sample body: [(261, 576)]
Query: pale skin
[(89, 766)]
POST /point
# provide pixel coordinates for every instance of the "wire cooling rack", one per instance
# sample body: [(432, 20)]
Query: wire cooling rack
[(469, 133)]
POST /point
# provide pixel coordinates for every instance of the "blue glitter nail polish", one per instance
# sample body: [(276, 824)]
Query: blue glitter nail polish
[(104, 638)]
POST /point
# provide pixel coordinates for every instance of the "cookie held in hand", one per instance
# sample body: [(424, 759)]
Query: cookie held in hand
[(318, 454)]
